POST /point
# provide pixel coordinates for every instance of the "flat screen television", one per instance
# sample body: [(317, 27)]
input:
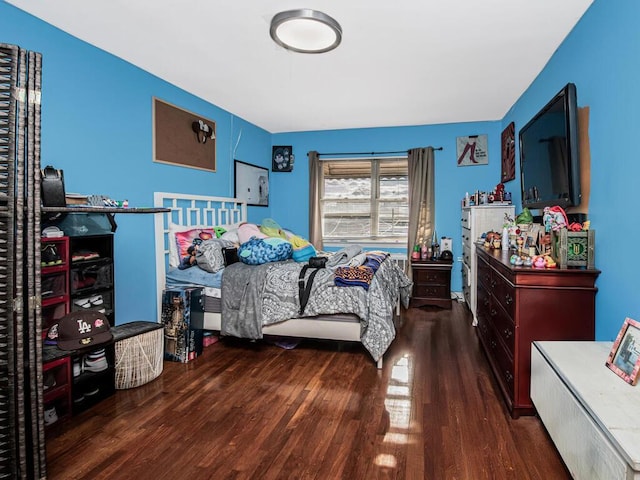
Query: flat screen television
[(549, 156)]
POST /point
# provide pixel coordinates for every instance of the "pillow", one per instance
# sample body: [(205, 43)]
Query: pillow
[(209, 255), (186, 240), (248, 230), (257, 251), (174, 255)]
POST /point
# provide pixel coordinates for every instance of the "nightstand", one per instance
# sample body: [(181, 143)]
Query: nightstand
[(431, 283)]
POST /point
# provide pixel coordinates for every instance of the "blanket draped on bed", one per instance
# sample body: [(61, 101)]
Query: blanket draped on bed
[(253, 296)]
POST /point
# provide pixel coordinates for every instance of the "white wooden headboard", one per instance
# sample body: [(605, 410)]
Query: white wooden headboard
[(188, 210)]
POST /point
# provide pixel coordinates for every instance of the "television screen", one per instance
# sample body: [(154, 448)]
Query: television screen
[(549, 157)]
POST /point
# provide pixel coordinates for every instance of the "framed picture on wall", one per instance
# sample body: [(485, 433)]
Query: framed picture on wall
[(282, 158), (251, 184), (472, 150), (508, 153)]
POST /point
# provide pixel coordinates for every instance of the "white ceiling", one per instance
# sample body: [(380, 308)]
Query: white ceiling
[(408, 62)]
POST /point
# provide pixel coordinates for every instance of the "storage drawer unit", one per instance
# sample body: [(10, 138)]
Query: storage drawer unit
[(474, 222), (431, 283), (519, 305)]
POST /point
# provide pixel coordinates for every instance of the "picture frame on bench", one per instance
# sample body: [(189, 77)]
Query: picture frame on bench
[(624, 358)]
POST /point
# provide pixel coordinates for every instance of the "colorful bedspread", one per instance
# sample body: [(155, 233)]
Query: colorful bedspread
[(268, 294)]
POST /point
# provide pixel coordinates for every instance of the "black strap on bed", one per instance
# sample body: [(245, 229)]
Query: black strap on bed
[(305, 289)]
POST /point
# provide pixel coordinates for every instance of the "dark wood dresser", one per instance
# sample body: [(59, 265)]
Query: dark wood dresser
[(431, 283), (519, 305)]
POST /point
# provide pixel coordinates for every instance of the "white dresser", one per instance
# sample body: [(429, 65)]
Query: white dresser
[(476, 221), (590, 413)]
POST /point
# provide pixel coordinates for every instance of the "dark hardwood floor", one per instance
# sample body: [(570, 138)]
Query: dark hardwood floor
[(319, 411)]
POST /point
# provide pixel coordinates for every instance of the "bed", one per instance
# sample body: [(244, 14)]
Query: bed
[(369, 318)]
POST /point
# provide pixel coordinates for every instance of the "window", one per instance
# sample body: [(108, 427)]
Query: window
[(365, 200)]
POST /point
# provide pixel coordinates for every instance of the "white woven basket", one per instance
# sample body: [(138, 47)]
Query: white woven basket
[(139, 359)]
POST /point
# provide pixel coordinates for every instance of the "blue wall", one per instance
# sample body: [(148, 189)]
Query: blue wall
[(601, 56), (97, 127)]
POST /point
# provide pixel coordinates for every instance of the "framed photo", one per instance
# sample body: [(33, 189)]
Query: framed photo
[(472, 150), (251, 184), (281, 158), (508, 153), (624, 358)]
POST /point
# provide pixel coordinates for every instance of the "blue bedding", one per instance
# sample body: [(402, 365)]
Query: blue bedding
[(193, 277)]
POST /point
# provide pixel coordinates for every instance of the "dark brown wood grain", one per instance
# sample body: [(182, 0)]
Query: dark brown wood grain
[(320, 411)]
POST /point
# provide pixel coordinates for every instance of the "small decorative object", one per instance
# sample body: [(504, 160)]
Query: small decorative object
[(527, 262), (574, 249), (538, 262), (508, 153), (513, 258), (282, 158), (472, 150), (624, 358), (415, 255)]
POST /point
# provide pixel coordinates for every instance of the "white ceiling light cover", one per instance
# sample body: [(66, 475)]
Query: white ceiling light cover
[(306, 31)]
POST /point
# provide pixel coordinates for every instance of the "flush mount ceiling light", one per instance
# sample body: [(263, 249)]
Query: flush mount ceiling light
[(306, 31)]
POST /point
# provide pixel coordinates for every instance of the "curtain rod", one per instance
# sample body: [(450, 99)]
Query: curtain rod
[(371, 153)]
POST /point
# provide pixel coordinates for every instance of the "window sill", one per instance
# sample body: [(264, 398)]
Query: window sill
[(366, 244)]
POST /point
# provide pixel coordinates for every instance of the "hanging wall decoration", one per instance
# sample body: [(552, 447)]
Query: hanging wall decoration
[(282, 158), (508, 153), (472, 150)]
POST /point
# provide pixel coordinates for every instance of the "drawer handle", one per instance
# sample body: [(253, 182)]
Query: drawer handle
[(486, 302), (493, 344), (509, 376), (493, 284), (493, 312), (508, 298), (507, 333)]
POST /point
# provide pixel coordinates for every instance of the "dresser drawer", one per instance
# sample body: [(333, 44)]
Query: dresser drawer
[(485, 274), (466, 238), (503, 325), (503, 363), (504, 293), (430, 276), (465, 221), (431, 291)]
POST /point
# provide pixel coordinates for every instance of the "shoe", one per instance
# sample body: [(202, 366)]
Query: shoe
[(49, 381), (98, 365), (50, 416), (78, 399), (77, 367), (49, 255), (91, 391), (96, 300), (83, 303)]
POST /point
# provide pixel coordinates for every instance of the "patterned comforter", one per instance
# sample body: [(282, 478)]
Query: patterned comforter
[(253, 296)]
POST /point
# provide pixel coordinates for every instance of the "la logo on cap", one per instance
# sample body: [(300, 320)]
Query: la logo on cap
[(83, 327)]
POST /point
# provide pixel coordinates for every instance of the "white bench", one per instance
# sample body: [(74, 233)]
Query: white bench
[(591, 414)]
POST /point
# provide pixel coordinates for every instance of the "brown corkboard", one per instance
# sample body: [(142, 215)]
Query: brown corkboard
[(175, 141)]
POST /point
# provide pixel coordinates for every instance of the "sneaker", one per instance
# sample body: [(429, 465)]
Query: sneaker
[(49, 381), (83, 303), (91, 391), (49, 255), (98, 365), (96, 300), (50, 416), (77, 367)]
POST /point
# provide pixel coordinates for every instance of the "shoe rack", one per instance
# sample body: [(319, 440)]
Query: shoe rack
[(92, 287), (56, 391), (91, 274), (54, 273), (93, 373)]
